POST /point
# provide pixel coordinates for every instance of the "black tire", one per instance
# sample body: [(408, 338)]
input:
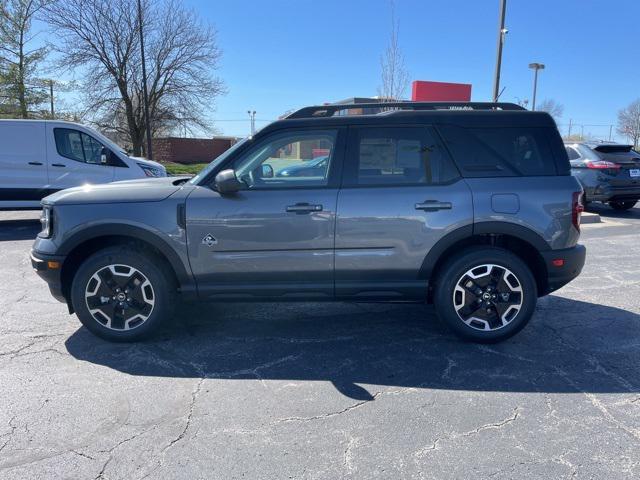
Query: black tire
[(623, 205), (501, 309), (150, 307)]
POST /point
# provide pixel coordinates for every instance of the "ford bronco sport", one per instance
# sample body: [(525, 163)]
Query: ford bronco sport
[(469, 206)]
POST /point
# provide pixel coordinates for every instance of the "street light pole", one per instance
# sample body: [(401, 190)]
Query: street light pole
[(252, 118), (53, 113), (501, 34), (535, 67), (144, 84)]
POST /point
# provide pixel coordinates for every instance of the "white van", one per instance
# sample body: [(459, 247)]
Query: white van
[(39, 157)]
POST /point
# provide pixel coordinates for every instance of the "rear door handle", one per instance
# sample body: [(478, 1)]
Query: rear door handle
[(35, 163), (433, 205), (58, 165), (304, 208)]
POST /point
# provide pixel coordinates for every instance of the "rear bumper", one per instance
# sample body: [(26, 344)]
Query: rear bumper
[(45, 267), (605, 193), (561, 273)]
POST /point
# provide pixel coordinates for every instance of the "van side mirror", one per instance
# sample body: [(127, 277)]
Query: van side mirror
[(227, 182), (105, 156)]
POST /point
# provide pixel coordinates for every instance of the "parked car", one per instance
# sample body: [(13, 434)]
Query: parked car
[(468, 206), (608, 172), (39, 157), (309, 168)]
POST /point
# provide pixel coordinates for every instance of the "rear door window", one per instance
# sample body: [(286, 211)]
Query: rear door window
[(397, 156), (499, 152), (572, 153)]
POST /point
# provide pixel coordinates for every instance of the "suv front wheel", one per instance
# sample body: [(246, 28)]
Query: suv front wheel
[(122, 293), (485, 294)]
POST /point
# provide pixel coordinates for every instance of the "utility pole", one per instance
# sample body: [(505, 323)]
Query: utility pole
[(144, 84), (252, 118), (610, 131), (535, 67), (501, 34), (570, 121), (53, 113)]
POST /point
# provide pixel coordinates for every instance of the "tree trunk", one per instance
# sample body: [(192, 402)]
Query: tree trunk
[(22, 100)]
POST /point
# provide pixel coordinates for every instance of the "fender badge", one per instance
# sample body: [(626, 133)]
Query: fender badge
[(209, 240)]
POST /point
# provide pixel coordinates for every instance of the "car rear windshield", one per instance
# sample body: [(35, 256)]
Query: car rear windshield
[(500, 152)]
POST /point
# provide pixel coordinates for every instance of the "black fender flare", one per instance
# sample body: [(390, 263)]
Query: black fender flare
[(183, 274), (481, 228)]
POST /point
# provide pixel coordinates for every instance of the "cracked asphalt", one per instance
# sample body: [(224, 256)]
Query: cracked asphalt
[(278, 391)]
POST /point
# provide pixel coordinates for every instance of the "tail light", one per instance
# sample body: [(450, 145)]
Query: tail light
[(576, 209), (602, 165)]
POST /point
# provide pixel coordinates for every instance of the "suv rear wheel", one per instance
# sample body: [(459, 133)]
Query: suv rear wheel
[(623, 205), (485, 294), (122, 294)]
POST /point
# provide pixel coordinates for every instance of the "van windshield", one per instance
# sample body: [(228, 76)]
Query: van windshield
[(217, 161)]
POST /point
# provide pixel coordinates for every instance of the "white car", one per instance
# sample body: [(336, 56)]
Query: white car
[(39, 157)]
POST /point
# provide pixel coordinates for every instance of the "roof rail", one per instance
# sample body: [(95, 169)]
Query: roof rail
[(330, 110)]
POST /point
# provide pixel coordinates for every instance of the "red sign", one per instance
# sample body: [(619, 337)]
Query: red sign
[(423, 91)]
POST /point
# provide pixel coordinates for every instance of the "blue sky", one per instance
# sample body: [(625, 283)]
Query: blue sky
[(283, 54)]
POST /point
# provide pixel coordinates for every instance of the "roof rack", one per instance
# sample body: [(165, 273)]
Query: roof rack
[(330, 110)]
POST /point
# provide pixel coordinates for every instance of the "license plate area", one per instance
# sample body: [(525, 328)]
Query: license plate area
[(634, 173)]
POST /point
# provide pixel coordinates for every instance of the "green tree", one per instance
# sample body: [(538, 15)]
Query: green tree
[(21, 89)]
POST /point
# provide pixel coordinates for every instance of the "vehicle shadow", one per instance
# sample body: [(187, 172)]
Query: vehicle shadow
[(26, 229), (570, 346), (608, 212)]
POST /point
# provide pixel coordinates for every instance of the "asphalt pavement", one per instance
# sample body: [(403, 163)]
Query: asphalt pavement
[(315, 391)]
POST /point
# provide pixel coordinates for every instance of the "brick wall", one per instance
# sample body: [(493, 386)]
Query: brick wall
[(189, 150)]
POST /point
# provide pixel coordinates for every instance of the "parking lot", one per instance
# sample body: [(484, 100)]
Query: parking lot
[(326, 390)]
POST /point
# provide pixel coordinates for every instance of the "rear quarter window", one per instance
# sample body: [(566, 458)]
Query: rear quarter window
[(500, 152)]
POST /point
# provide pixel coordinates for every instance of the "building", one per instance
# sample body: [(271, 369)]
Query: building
[(190, 150)]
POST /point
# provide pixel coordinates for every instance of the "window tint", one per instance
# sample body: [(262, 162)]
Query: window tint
[(77, 145), (573, 155), (499, 152), (292, 159), (398, 155)]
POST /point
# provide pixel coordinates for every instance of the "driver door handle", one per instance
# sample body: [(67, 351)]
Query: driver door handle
[(304, 208), (433, 205)]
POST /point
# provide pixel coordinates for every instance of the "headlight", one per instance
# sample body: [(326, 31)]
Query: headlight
[(46, 219), (150, 171)]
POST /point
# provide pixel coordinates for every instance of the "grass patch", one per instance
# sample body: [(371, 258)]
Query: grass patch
[(180, 169)]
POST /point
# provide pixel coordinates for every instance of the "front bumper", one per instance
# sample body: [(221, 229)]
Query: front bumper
[(49, 268), (563, 266)]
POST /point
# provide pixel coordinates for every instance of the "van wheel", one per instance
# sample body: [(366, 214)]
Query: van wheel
[(485, 294), (623, 205), (123, 294)]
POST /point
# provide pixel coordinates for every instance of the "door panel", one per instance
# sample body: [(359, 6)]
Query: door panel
[(256, 247), (382, 239), (74, 159)]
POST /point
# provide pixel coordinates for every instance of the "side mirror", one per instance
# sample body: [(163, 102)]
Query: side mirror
[(267, 171), (227, 182), (105, 156)]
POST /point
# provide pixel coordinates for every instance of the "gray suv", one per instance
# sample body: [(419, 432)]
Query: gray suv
[(470, 207)]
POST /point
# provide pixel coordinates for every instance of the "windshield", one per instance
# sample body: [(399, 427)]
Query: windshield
[(218, 160)]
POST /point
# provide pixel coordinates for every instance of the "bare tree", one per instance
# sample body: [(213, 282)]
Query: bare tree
[(181, 51), (552, 107), (629, 122), (20, 87), (395, 78)]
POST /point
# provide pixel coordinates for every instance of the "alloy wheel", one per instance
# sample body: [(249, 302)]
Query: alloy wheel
[(488, 297), (119, 297)]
